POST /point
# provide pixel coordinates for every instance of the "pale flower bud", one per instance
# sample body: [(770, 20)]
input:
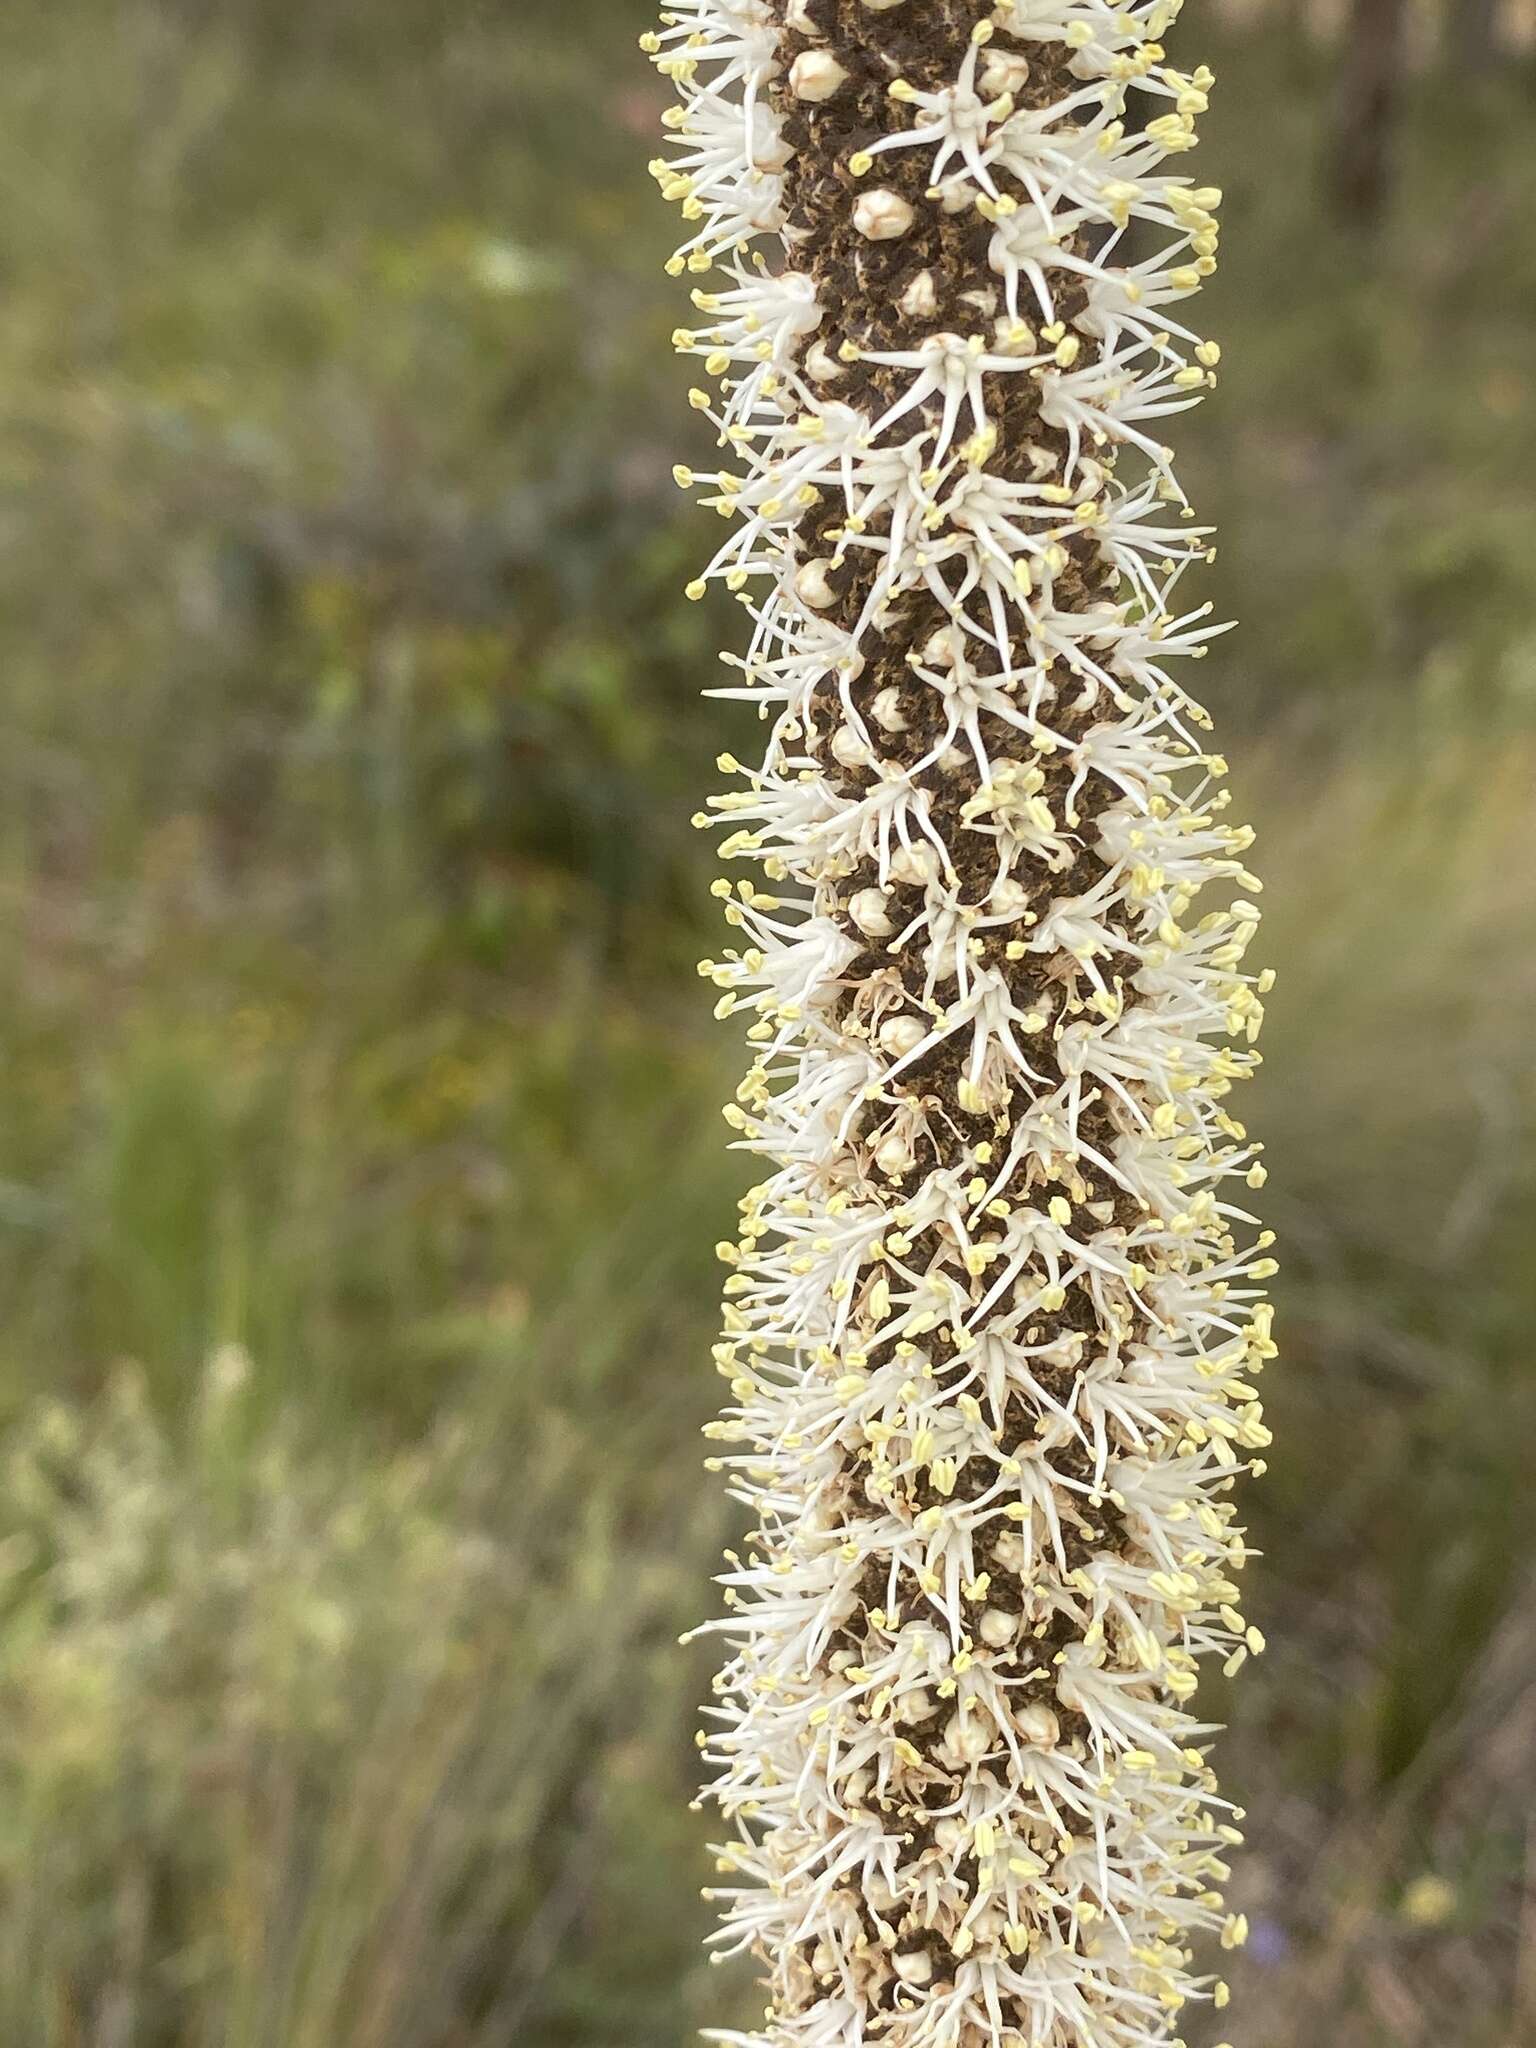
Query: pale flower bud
[(920, 300), (868, 911), (887, 712), (968, 1736), (821, 364), (914, 1706), (1002, 71), (917, 865), (882, 215), (812, 586), (849, 748), (997, 1628), (816, 75), (894, 1155), (1037, 1724), (901, 1035)]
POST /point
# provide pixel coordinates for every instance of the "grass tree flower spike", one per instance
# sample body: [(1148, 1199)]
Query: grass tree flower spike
[(994, 1317)]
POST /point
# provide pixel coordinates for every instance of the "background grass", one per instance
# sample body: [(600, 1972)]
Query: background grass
[(359, 1156)]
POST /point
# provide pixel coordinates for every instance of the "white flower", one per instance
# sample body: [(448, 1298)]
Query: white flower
[(994, 1318)]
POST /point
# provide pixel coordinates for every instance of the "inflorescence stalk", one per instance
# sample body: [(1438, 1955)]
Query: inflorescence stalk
[(993, 1319)]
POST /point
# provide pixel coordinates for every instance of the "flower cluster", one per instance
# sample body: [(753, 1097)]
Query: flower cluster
[(993, 1319)]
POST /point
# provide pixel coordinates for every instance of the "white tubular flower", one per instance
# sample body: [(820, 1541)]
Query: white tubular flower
[(994, 1319)]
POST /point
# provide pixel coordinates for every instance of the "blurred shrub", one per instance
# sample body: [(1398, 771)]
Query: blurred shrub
[(304, 1750), (1387, 1740)]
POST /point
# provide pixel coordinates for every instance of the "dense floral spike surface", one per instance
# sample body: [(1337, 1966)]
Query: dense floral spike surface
[(993, 1320)]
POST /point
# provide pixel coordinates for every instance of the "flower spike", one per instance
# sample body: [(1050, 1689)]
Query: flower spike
[(993, 1319)]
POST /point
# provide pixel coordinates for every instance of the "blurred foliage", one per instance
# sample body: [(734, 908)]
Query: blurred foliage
[(314, 1749), (348, 909)]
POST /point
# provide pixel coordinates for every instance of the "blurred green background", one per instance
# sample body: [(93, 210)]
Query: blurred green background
[(360, 1156)]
